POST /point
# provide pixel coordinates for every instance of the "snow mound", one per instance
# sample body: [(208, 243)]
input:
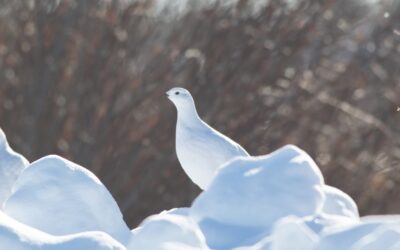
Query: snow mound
[(168, 230), (17, 236), (250, 194), (372, 233), (11, 165), (274, 202), (257, 191), (339, 203), (60, 197), (384, 237), (293, 229)]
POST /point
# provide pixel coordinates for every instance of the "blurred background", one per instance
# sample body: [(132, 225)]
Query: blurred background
[(86, 80)]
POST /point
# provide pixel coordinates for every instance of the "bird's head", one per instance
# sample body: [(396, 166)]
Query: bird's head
[(180, 97)]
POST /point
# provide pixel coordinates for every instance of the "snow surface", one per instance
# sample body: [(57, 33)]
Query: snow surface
[(339, 203), (251, 189), (372, 233), (52, 191), (274, 202), (174, 230), (11, 165), (17, 236), (249, 194)]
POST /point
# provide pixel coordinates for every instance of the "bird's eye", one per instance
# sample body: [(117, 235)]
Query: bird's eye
[(176, 93)]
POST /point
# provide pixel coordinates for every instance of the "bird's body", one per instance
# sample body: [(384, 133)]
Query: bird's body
[(201, 150)]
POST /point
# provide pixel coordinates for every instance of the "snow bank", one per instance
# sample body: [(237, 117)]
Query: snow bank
[(372, 233), (295, 230), (168, 230), (17, 236), (257, 191), (60, 197), (339, 203), (11, 165), (273, 202), (250, 194), (384, 237)]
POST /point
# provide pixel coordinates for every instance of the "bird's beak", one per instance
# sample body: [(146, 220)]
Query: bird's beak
[(166, 93)]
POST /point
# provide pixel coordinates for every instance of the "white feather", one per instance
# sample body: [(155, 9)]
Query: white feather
[(201, 150)]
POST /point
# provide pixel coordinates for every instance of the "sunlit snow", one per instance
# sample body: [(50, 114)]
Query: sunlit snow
[(277, 201)]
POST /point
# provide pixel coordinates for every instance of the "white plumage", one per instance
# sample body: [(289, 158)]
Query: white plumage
[(201, 150)]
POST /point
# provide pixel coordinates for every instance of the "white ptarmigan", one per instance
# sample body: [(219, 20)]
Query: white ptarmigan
[(201, 150)]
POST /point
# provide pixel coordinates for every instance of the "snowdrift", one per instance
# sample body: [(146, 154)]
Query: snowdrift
[(15, 235), (52, 191), (11, 165), (277, 201)]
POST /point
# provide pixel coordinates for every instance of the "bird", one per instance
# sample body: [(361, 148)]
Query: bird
[(201, 150)]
